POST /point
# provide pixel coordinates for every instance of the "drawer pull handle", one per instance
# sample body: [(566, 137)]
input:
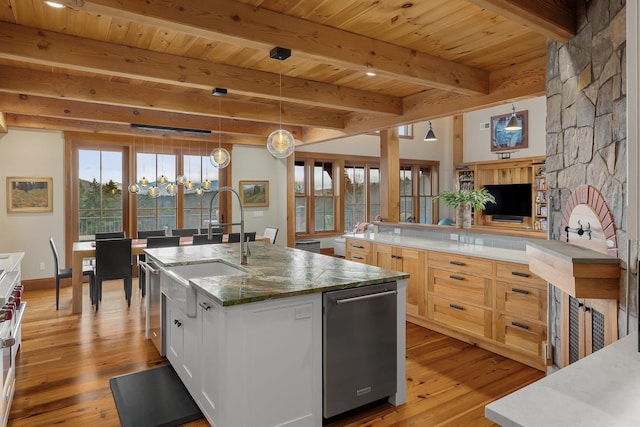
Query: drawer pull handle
[(451, 276), (358, 246), (520, 291), (518, 273), (205, 306), (456, 263), (456, 307), (393, 257), (520, 325), (177, 323), (357, 257)]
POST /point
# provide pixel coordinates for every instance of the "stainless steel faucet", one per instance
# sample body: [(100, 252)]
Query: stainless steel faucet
[(244, 246)]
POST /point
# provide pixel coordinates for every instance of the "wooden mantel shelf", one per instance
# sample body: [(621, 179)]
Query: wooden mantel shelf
[(578, 271)]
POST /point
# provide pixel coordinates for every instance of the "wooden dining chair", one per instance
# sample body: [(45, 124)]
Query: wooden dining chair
[(203, 239), (154, 242), (66, 273), (113, 261)]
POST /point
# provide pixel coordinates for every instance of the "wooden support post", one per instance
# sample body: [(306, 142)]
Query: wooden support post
[(390, 175)]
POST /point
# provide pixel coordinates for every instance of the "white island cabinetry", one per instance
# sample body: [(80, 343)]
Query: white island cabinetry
[(258, 363)]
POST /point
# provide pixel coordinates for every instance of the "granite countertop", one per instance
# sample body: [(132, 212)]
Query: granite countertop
[(601, 389), (272, 271), (450, 246)]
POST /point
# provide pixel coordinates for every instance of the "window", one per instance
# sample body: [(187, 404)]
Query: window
[(101, 168), (301, 194), (323, 196), (155, 213), (99, 192), (361, 194), (198, 169), (428, 185), (418, 184)]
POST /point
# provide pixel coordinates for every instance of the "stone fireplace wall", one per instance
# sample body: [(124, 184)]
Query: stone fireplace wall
[(586, 129)]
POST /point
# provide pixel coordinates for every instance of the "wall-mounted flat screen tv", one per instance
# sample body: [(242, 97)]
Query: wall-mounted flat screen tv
[(512, 200)]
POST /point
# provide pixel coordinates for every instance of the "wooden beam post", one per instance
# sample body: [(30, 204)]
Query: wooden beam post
[(390, 175), (458, 140)]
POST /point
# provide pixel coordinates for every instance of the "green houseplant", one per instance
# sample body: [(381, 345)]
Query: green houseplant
[(463, 200)]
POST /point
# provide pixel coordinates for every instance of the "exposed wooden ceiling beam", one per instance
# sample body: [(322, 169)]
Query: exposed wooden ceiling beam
[(86, 111), (4, 128), (555, 19), (54, 49), (71, 125), (68, 87), (522, 81), (262, 29)]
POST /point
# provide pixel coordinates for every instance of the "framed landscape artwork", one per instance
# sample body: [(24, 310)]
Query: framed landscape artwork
[(254, 193), (29, 195), (503, 140)]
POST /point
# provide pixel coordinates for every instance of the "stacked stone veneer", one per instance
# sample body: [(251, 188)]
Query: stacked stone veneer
[(586, 124)]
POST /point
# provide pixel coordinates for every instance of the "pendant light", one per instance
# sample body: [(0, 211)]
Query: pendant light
[(134, 187), (513, 124), (171, 189), (430, 136), (219, 157), (280, 143)]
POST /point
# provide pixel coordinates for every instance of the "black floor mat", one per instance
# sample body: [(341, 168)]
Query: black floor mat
[(153, 397)]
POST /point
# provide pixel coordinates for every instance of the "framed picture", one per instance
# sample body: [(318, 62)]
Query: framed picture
[(29, 195), (254, 193), (503, 140)]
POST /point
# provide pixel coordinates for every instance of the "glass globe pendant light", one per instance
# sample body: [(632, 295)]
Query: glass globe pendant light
[(189, 185), (144, 182), (154, 192), (206, 185), (171, 189), (134, 188), (219, 157), (280, 142), (200, 192), (162, 180), (181, 179)]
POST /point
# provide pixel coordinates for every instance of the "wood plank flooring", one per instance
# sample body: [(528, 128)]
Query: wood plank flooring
[(66, 360)]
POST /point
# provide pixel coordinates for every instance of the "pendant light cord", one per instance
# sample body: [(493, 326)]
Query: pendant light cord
[(280, 109)]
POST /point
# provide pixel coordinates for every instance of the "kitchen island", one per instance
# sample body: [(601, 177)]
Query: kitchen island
[(247, 340)]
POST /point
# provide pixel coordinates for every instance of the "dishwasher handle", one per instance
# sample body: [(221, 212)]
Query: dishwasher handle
[(148, 267), (363, 297)]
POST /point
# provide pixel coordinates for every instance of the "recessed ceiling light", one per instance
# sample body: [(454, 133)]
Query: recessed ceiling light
[(54, 4), (370, 73)]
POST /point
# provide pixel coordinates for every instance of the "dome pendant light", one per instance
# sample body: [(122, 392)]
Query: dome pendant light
[(219, 157), (513, 124), (280, 143), (430, 136)]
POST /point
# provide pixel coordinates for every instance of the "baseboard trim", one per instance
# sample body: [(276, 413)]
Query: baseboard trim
[(43, 283)]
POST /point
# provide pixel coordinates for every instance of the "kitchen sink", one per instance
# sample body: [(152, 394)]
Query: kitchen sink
[(174, 281)]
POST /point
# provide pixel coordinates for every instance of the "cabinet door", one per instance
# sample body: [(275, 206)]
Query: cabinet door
[(384, 257), (210, 322), (174, 335), (411, 261)]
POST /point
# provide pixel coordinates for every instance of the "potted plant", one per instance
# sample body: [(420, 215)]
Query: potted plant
[(463, 200)]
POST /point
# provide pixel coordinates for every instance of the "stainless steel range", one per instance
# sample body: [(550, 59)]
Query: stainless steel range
[(12, 309)]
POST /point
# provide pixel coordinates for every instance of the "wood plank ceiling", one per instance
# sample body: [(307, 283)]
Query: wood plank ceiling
[(100, 65)]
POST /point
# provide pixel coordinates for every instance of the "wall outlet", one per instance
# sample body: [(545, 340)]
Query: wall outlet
[(42, 266), (453, 236), (397, 230), (485, 126)]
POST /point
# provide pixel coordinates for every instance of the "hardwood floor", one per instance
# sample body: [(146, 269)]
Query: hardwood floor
[(66, 360)]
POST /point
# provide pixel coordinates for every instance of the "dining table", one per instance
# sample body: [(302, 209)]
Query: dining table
[(87, 249)]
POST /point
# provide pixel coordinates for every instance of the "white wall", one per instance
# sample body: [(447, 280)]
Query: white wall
[(477, 142), (257, 164), (33, 153)]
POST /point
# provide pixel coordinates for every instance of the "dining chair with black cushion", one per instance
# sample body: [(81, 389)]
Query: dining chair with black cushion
[(66, 273), (110, 235), (203, 239), (233, 238), (214, 230), (271, 233), (184, 232), (150, 233), (155, 242), (113, 261)]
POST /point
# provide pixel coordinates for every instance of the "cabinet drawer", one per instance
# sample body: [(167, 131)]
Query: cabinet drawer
[(358, 245), (358, 256), (460, 287), (521, 300), (464, 317), (461, 264), (521, 335), (518, 273)]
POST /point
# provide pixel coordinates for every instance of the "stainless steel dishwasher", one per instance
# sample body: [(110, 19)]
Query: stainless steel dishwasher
[(153, 306), (359, 336)]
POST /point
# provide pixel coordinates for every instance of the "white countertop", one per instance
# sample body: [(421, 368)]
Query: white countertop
[(601, 389), (481, 251)]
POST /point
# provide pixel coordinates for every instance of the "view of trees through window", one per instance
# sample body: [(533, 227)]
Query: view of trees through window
[(99, 192)]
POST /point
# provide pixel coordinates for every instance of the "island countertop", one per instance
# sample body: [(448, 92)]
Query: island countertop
[(272, 271)]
